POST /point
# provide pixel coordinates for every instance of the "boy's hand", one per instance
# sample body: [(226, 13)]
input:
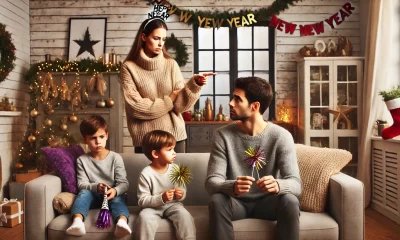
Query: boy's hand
[(168, 195), (268, 184), (179, 193), (101, 188), (243, 184), (111, 193)]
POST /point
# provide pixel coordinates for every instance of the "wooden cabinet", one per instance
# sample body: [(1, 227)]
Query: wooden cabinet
[(385, 158), (325, 84), (113, 115)]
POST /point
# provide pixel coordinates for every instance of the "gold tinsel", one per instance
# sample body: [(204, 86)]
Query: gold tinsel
[(98, 83), (180, 175), (63, 89)]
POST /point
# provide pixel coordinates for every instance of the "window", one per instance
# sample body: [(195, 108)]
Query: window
[(233, 53)]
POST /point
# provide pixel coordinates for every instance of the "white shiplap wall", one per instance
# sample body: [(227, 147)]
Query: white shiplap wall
[(49, 31), (15, 15)]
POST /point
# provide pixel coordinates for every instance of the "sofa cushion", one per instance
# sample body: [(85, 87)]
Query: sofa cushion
[(63, 161), (316, 166), (313, 226), (63, 202)]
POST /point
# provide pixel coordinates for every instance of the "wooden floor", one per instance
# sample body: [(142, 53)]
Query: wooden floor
[(377, 227)]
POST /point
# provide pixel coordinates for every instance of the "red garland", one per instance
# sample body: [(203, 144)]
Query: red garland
[(307, 30)]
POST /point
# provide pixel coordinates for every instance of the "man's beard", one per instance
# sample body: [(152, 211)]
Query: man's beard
[(244, 117)]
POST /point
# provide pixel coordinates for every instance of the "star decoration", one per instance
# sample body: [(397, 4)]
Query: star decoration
[(86, 44), (341, 113)]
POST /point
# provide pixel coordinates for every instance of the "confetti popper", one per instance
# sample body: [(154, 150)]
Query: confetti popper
[(255, 158), (104, 218), (180, 175)]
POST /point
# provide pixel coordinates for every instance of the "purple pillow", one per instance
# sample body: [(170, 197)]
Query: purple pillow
[(63, 161)]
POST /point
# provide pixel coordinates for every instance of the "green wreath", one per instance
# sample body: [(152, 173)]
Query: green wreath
[(7, 53), (181, 55)]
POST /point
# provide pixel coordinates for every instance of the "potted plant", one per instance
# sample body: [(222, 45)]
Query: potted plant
[(392, 100)]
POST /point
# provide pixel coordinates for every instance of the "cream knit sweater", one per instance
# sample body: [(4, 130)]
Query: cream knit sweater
[(147, 84)]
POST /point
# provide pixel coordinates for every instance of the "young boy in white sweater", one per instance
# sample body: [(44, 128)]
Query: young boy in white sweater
[(158, 197), (98, 170)]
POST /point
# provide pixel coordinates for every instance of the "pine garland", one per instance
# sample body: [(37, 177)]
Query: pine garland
[(7, 53), (262, 14), (181, 55)]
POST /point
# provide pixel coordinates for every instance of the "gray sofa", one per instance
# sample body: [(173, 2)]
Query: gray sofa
[(343, 219)]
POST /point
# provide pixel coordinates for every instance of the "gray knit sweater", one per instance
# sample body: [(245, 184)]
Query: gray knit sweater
[(110, 170), (227, 160), (152, 185), (147, 84)]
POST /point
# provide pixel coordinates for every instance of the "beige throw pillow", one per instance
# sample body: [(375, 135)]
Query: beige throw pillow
[(316, 166), (63, 202)]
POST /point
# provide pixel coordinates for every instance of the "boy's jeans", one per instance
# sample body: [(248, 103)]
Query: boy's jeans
[(88, 200)]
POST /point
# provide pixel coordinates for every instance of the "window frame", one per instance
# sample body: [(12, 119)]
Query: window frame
[(233, 63)]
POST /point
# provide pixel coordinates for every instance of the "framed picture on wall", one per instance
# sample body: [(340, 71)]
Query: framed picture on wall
[(87, 38)]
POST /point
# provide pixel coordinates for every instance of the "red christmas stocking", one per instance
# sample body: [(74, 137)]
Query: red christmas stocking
[(394, 130)]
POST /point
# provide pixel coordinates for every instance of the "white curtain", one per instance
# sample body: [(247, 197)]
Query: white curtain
[(381, 65)]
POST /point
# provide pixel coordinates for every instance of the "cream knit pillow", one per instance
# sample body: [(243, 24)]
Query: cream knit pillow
[(63, 202), (316, 166)]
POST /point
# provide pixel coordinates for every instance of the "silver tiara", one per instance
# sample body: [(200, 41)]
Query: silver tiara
[(160, 12)]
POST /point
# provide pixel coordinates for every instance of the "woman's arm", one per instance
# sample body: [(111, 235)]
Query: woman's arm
[(142, 108)]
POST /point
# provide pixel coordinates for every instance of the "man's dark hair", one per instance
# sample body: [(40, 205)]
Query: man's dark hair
[(256, 90), (90, 125)]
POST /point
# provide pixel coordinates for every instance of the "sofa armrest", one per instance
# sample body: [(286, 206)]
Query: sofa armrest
[(346, 206), (39, 212)]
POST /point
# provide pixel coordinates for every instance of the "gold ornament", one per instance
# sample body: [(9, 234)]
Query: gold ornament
[(101, 104), (34, 113), (18, 165), (48, 122), (110, 103), (341, 113), (73, 118), (31, 139), (63, 127)]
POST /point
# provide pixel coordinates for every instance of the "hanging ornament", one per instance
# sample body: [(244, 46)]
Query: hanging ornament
[(110, 103), (63, 124), (31, 139), (48, 122), (255, 158), (18, 165), (48, 108), (101, 103), (98, 83), (73, 118), (180, 175), (36, 132), (34, 113)]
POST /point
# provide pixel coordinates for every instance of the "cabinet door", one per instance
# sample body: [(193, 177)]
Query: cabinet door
[(347, 83), (318, 98)]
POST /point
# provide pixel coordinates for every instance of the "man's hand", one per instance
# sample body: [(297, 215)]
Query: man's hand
[(111, 193), (168, 195), (179, 193), (268, 184), (243, 184), (101, 188)]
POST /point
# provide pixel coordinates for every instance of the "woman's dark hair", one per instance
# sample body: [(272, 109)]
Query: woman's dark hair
[(256, 90), (138, 43)]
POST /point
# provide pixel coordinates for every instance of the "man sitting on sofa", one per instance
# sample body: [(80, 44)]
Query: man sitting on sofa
[(246, 156)]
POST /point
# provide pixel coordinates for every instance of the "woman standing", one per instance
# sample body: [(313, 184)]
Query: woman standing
[(154, 89)]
